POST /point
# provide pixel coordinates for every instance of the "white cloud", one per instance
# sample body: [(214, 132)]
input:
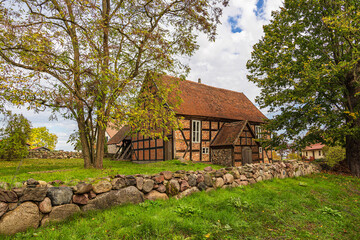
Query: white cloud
[(223, 63)]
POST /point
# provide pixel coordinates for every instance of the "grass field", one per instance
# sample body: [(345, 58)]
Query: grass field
[(71, 169), (320, 206)]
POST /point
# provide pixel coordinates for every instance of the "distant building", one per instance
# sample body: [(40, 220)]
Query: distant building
[(40, 149), (314, 151)]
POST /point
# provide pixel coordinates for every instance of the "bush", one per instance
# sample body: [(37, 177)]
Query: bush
[(334, 155)]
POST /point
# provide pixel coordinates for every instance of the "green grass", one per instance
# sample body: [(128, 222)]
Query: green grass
[(71, 169), (319, 206)]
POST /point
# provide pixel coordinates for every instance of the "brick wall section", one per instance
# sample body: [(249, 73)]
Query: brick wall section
[(37, 203)]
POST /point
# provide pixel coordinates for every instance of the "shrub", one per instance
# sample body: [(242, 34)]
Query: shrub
[(333, 155)]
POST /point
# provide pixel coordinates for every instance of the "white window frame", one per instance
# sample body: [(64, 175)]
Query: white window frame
[(258, 131), (195, 131), (205, 150)]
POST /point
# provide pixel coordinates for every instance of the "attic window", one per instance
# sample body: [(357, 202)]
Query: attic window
[(196, 131), (258, 132)]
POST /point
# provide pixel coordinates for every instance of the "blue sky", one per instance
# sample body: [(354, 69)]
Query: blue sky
[(220, 64)]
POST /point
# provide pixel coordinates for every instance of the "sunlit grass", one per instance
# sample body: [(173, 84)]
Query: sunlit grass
[(70, 169), (319, 206)]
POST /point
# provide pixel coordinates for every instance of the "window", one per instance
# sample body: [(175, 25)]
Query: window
[(319, 153), (205, 150), (260, 150), (196, 131), (258, 131), (306, 153)]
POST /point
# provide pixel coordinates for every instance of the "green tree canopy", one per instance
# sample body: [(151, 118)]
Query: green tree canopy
[(13, 143), (308, 68), (90, 58), (41, 137)]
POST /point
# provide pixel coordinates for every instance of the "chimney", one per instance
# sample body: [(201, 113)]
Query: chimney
[(199, 80)]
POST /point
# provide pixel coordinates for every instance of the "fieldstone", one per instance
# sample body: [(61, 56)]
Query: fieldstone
[(118, 183), (236, 174), (208, 180), (139, 183), (60, 213), (12, 206), (219, 182), (208, 169), (82, 188), (202, 186), (8, 196), (148, 185), (3, 208), (42, 183), (259, 179), (192, 180), (45, 206), (91, 195), (23, 217), (102, 186), (31, 182), (80, 199), (187, 192), (234, 184), (210, 189), (115, 197), (184, 185), (34, 194), (130, 180), (167, 174), (243, 178), (4, 186), (179, 175), (155, 195), (159, 179), (252, 181), (228, 178), (200, 178), (59, 195), (161, 188), (219, 174), (172, 187)]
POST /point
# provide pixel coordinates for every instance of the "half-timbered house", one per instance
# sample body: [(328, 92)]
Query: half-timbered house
[(218, 125)]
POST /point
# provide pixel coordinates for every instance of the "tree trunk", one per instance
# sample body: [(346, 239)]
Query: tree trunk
[(353, 155), (100, 141), (353, 141), (84, 144)]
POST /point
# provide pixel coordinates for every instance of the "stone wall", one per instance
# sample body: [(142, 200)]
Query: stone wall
[(222, 156), (37, 203), (54, 154)]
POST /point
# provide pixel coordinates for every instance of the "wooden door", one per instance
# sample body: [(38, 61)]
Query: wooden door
[(246, 155)]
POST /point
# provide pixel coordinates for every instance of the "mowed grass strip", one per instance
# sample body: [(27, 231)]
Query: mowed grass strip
[(72, 169), (319, 206)]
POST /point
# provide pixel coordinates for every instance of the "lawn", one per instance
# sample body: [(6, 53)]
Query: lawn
[(320, 206), (72, 169)]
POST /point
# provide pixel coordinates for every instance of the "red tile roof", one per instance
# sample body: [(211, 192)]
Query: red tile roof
[(228, 134), (111, 129), (316, 146), (206, 101), (119, 136)]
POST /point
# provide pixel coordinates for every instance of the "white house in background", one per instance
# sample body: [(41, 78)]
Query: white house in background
[(314, 151)]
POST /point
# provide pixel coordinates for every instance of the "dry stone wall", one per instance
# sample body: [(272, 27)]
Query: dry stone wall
[(38, 203), (53, 154)]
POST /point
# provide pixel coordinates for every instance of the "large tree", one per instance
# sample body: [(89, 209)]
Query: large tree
[(13, 136), (308, 68), (90, 57), (41, 137)]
